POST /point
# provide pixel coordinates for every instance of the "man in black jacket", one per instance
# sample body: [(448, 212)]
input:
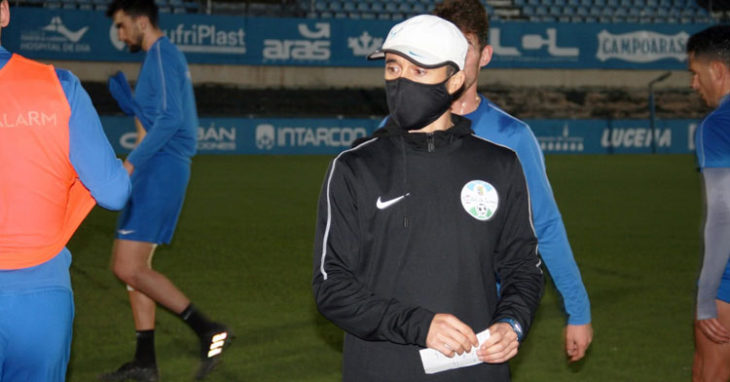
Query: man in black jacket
[(418, 225)]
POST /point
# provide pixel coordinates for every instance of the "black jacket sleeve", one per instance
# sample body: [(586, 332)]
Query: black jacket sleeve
[(517, 262), (339, 291)]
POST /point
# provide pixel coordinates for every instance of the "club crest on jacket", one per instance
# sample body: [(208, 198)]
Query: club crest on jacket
[(479, 199)]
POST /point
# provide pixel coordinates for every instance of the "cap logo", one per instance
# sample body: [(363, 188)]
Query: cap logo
[(479, 199), (437, 41)]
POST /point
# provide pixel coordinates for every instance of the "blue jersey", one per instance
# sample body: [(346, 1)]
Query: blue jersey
[(164, 91), (712, 138), (492, 123), (96, 165), (712, 142)]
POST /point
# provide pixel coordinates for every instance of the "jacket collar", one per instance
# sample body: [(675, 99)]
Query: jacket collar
[(461, 127)]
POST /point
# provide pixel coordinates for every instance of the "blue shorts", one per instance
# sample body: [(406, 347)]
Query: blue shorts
[(723, 292), (158, 192), (36, 321)]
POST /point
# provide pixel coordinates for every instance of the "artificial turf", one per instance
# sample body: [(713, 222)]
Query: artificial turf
[(243, 254)]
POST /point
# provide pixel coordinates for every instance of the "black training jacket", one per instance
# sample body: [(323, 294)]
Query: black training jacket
[(414, 224)]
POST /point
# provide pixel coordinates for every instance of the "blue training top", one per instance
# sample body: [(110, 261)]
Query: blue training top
[(492, 123), (712, 138), (98, 168), (164, 92), (712, 142)]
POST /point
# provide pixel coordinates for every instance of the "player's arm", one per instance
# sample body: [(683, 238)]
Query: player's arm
[(518, 267), (89, 150), (171, 79), (552, 237), (141, 132), (339, 294), (122, 93), (555, 248), (716, 252)]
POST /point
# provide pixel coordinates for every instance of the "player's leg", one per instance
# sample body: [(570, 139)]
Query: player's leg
[(697, 358), (712, 360), (151, 217), (701, 347), (143, 309), (35, 335), (171, 178), (131, 263), (129, 257)]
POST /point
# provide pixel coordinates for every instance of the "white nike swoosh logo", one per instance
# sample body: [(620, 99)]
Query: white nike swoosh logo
[(125, 231), (385, 204)]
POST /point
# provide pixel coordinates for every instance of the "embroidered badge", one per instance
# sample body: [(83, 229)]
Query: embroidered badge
[(479, 199)]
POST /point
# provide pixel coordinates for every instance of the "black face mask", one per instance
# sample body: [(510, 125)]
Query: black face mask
[(414, 105)]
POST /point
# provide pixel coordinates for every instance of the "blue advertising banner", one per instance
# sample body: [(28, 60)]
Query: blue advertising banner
[(614, 136), (257, 135), (584, 46), (331, 136), (210, 39)]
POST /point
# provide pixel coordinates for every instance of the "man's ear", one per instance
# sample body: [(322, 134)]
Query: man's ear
[(719, 70), (486, 56), (4, 13), (143, 22), (456, 81)]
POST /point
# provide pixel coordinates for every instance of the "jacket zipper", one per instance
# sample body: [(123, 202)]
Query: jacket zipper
[(431, 144)]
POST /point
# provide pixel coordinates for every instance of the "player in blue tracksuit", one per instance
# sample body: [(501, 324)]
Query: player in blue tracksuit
[(162, 159), (494, 124), (490, 122), (164, 105), (709, 63), (36, 303)]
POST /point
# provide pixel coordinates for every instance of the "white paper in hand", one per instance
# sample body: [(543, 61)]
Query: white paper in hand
[(434, 361)]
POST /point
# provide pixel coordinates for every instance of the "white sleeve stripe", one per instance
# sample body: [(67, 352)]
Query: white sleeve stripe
[(329, 221), (162, 77), (329, 208), (529, 213)]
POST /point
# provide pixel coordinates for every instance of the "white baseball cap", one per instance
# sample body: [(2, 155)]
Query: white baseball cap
[(427, 40)]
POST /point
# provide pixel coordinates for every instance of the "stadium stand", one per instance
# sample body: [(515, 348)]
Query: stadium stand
[(168, 6), (526, 102), (580, 11), (575, 11)]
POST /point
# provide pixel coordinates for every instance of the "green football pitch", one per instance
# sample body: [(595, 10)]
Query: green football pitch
[(243, 254)]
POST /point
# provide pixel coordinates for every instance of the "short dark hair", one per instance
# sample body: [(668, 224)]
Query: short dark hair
[(135, 8), (712, 43), (451, 69), (468, 15)]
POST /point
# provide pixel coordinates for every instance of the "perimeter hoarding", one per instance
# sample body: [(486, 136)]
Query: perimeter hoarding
[(210, 39), (331, 136), (257, 135)]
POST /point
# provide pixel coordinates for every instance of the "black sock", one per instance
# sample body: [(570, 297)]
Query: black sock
[(145, 353), (200, 324)]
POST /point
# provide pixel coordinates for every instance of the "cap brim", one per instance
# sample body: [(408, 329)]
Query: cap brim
[(380, 54), (377, 55)]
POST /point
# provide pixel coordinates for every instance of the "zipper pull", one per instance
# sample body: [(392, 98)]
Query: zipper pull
[(431, 144), (405, 222)]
